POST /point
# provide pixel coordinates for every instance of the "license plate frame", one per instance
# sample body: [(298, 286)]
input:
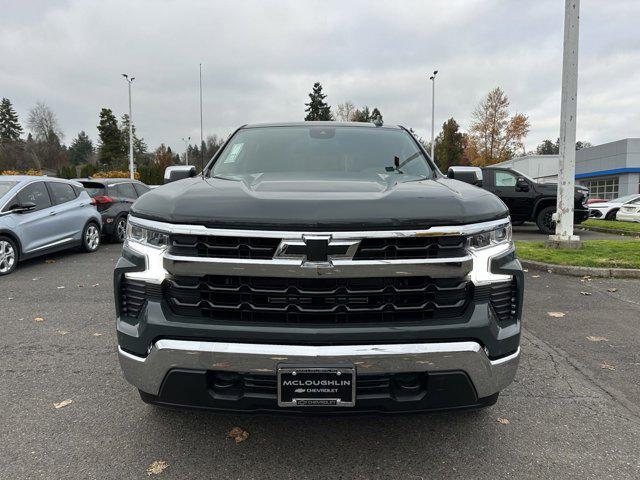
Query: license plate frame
[(316, 385)]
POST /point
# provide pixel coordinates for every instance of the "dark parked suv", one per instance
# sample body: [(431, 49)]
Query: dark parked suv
[(319, 266), (528, 200), (113, 198)]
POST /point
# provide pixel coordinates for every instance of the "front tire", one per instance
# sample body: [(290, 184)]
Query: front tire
[(545, 222), (119, 230), (90, 237), (611, 216), (8, 255)]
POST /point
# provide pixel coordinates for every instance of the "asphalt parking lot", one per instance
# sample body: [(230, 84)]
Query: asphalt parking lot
[(573, 411)]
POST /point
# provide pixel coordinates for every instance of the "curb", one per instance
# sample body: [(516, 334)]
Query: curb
[(575, 271), (609, 230)]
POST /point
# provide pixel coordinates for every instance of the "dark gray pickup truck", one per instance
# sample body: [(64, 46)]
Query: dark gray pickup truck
[(319, 267)]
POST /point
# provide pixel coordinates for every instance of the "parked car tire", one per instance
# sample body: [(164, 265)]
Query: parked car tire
[(119, 230), (8, 255), (90, 237), (544, 222), (611, 215)]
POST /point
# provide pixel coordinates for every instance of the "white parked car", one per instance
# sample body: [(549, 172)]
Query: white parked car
[(608, 210), (629, 212)]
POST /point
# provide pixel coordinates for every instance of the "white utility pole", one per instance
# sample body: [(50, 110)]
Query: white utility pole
[(564, 237), (131, 166), (201, 135), (187, 142), (433, 110)]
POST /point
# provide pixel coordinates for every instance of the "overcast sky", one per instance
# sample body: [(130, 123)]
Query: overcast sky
[(261, 58)]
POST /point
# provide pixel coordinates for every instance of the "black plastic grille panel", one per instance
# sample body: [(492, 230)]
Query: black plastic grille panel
[(410, 247), (504, 300), (318, 301), (133, 296), (224, 247)]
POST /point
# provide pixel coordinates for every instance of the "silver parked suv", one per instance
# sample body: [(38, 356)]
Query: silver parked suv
[(40, 215)]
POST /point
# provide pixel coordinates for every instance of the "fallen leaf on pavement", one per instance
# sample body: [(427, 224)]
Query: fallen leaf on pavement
[(97, 334), (612, 290), (238, 434), (49, 260), (95, 284), (39, 319), (595, 338), (62, 332), (586, 277), (503, 421), (60, 287), (535, 276), (157, 467), (607, 366), (585, 293), (80, 286), (556, 314), (62, 404)]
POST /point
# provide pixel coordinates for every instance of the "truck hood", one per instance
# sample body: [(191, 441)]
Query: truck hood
[(319, 202)]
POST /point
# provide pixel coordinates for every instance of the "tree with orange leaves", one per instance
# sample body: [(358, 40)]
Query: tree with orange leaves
[(494, 136)]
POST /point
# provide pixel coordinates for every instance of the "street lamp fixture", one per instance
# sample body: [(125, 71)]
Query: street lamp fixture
[(433, 110)]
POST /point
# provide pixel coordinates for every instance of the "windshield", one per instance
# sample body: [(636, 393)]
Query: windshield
[(624, 199), (635, 202), (5, 187), (306, 149)]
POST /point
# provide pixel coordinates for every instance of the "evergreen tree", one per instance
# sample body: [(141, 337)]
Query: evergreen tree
[(10, 129), (139, 145), (317, 108), (375, 113), (81, 149), (112, 148), (449, 145), (363, 115)]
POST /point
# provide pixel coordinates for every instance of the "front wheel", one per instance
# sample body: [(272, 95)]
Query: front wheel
[(611, 216), (91, 237), (544, 220), (8, 255)]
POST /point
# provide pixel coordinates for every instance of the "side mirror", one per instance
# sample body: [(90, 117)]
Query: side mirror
[(472, 175), (23, 207), (522, 184), (179, 172)]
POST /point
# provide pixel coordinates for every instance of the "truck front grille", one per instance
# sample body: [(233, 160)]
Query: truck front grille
[(258, 248), (318, 301)]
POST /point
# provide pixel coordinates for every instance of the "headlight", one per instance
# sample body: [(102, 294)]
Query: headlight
[(146, 236), (497, 236)]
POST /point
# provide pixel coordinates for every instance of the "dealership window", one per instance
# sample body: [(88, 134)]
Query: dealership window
[(606, 188)]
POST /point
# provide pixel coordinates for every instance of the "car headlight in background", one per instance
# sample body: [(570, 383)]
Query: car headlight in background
[(146, 236)]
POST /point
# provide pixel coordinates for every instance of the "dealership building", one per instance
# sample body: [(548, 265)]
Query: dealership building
[(609, 170)]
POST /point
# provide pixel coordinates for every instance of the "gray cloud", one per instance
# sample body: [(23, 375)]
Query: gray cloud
[(261, 58)]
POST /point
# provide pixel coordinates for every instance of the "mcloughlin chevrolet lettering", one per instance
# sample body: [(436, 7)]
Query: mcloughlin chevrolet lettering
[(324, 267)]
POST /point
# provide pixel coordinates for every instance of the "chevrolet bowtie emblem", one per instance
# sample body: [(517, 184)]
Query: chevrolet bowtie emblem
[(320, 249)]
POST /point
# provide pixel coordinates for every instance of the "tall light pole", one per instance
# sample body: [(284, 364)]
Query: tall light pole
[(564, 237), (201, 135), (433, 110), (187, 142), (131, 167)]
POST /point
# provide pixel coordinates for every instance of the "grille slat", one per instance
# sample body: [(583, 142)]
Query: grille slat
[(224, 247), (294, 300), (504, 300), (410, 247)]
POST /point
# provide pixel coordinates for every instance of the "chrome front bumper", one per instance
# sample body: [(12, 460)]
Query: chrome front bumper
[(488, 376)]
